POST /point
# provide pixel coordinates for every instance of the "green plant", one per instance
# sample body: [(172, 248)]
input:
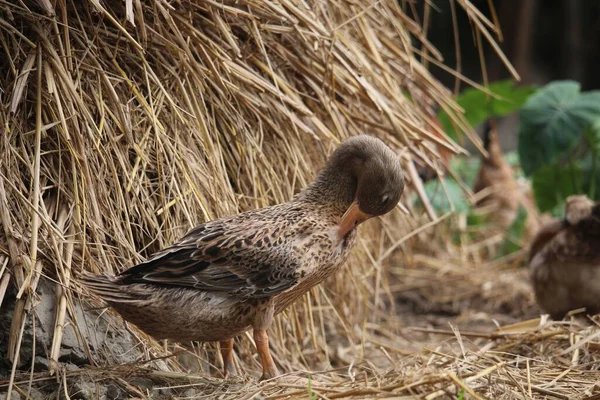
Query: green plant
[(512, 241), (447, 195), (559, 143), (311, 395), (479, 106)]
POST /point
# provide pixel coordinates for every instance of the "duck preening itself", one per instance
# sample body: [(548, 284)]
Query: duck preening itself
[(564, 260), (505, 194), (235, 273)]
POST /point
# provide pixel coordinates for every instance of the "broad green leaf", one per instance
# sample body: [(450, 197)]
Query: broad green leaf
[(552, 122), (479, 106), (592, 134), (591, 174), (442, 202), (515, 233), (466, 168), (553, 183), (474, 219)]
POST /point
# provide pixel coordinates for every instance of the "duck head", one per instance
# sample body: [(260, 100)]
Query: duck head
[(578, 208), (363, 177)]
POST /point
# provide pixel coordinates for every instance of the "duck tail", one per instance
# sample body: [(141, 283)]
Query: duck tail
[(108, 288)]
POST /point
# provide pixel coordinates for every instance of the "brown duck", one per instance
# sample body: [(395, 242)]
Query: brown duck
[(507, 195), (235, 273), (564, 260)]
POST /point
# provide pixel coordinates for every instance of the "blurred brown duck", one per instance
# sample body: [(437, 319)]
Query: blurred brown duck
[(564, 260), (235, 273), (506, 194)]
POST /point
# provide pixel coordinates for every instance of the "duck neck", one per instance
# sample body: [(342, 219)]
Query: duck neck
[(491, 143), (335, 186)]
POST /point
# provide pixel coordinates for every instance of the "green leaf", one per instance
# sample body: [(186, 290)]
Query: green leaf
[(592, 134), (553, 183), (590, 164), (552, 123), (311, 395), (515, 233), (442, 202), (479, 106), (474, 219), (466, 168)]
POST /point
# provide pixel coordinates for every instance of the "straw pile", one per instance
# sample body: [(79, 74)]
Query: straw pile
[(123, 124)]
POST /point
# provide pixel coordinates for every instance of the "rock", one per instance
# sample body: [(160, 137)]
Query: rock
[(14, 396), (113, 392), (73, 355), (82, 331), (41, 364), (163, 393), (141, 382), (191, 362), (70, 367), (86, 389), (35, 394), (157, 389)]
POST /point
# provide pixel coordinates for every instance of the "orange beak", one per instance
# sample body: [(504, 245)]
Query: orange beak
[(351, 219)]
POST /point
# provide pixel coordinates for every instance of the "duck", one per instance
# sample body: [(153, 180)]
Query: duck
[(564, 260), (506, 194), (233, 274)]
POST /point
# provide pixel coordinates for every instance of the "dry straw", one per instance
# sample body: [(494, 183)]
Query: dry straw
[(123, 124)]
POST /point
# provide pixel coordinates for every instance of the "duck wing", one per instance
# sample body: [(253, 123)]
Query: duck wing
[(244, 260), (566, 243), (544, 235), (590, 226)]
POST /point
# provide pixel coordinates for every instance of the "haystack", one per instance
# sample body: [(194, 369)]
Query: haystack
[(124, 124)]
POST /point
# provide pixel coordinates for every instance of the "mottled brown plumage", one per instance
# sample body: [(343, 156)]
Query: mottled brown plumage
[(506, 195), (235, 273), (564, 260)]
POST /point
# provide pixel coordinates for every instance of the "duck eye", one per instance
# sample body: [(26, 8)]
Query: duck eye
[(385, 199)]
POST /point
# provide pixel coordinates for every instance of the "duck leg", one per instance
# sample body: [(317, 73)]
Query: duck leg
[(226, 347), (262, 346)]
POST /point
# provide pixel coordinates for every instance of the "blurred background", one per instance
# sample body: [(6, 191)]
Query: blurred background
[(544, 40), (125, 123)]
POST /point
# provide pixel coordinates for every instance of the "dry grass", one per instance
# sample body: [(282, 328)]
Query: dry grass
[(123, 124), (454, 346)]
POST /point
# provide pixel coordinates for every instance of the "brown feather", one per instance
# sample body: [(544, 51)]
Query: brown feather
[(506, 194), (228, 275), (565, 260)]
